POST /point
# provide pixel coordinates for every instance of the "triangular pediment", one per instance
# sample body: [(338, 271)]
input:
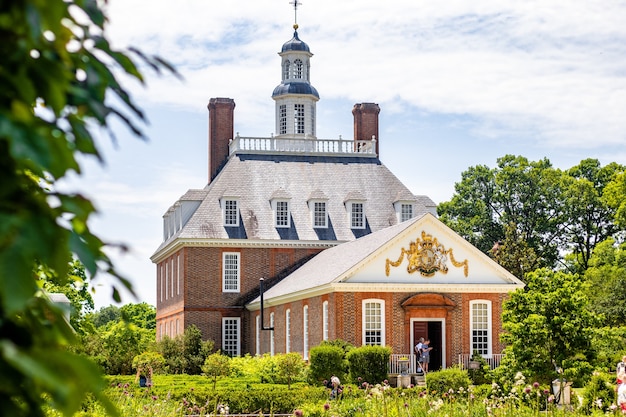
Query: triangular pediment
[(429, 253)]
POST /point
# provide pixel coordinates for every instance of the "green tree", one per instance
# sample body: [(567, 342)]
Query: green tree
[(590, 217), (290, 367), (147, 364), (106, 315), (121, 342), (76, 289), (547, 323), (615, 197), (142, 315), (607, 276), (216, 365), (185, 353), (56, 83)]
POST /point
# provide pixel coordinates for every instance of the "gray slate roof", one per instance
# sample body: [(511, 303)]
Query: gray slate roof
[(332, 263), (255, 179)]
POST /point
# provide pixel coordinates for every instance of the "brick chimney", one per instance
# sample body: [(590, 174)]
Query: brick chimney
[(366, 122), (221, 129)]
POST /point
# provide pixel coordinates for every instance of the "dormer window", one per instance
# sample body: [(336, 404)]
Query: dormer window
[(282, 217), (230, 209), (405, 210), (356, 214), (319, 213)]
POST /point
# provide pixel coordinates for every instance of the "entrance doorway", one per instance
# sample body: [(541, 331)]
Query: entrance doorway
[(433, 330)]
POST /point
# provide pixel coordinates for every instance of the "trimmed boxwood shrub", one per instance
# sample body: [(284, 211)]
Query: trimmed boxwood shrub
[(452, 378), (324, 361), (369, 363)]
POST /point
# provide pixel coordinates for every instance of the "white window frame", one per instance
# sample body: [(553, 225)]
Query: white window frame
[(299, 118), (314, 204), (227, 280), (356, 217), (288, 331), (228, 342), (227, 212), (272, 334), (258, 334), (286, 67), (280, 214), (305, 332), (369, 326), (282, 119), (325, 320), (480, 323), (401, 213)]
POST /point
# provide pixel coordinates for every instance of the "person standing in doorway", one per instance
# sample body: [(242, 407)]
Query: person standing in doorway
[(418, 355), (426, 348)]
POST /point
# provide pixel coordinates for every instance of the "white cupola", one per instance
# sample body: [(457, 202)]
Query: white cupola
[(295, 97)]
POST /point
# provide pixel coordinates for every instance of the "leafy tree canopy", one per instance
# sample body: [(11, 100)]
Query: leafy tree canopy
[(548, 322), (57, 82)]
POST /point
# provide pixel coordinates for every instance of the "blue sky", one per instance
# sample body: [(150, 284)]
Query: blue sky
[(459, 84)]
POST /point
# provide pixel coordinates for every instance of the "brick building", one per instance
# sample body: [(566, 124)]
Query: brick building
[(345, 250)]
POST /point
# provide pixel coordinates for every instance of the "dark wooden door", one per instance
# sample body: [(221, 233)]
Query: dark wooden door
[(430, 330)]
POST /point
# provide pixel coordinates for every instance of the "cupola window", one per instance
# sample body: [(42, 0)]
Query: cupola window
[(286, 70), (299, 116), (283, 119), (298, 69)]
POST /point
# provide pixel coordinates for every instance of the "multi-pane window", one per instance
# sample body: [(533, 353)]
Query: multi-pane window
[(313, 120), (286, 70), (299, 115), (357, 216), (272, 334), (258, 335), (373, 322), (231, 334), (230, 272), (325, 323), (406, 212), (282, 110), (231, 213), (298, 63), (282, 214), (287, 331), (319, 214), (305, 332), (480, 327)]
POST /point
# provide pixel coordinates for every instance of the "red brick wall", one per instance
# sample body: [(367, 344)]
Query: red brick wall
[(202, 301)]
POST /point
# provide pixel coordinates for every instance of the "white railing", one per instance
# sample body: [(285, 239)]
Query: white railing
[(398, 362), (337, 147), (492, 360)]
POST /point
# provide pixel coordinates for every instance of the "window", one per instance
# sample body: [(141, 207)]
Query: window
[(313, 119), (178, 274), (299, 115), (325, 320), (406, 212), (357, 216), (288, 331), (286, 70), (283, 119), (480, 325), (282, 213), (167, 278), (320, 218), (373, 322), (258, 334), (272, 334), (305, 332), (298, 63), (230, 271), (230, 336), (231, 213)]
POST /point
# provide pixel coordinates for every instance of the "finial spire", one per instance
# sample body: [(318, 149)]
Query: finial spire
[(295, 3)]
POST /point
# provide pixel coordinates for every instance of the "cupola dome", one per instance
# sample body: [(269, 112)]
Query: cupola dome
[(295, 44)]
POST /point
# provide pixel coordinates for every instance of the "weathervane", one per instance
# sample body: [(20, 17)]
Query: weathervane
[(295, 3)]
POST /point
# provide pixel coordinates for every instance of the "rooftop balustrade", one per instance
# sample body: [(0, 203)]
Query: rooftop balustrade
[(306, 146)]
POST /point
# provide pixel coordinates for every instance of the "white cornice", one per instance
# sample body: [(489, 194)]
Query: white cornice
[(178, 244), (384, 288)]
